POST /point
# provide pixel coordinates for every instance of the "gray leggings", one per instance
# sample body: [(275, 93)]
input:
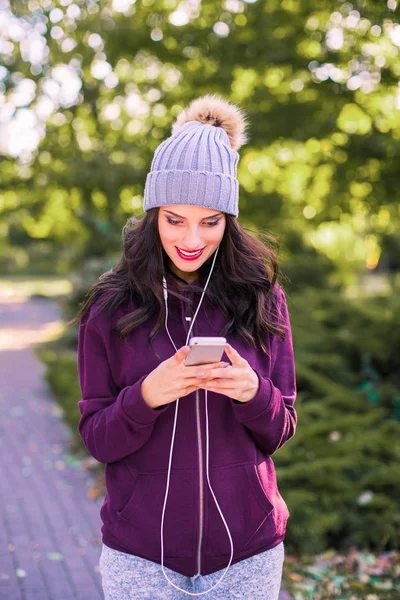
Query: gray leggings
[(129, 577)]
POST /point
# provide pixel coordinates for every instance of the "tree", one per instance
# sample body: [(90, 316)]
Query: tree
[(106, 80)]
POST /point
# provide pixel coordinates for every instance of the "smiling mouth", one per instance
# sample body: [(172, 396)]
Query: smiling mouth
[(189, 255)]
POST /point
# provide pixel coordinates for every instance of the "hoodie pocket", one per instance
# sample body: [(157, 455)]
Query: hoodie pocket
[(246, 508), (138, 523)]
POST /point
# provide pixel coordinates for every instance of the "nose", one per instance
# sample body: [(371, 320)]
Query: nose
[(192, 241)]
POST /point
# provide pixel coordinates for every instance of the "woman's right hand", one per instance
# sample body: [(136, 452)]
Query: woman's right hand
[(172, 379)]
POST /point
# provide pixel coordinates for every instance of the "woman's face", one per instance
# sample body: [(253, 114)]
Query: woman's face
[(190, 228)]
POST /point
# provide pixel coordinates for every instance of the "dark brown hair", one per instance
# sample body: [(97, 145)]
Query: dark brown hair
[(242, 283)]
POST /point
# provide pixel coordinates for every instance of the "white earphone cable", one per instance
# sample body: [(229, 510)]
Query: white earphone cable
[(207, 448)]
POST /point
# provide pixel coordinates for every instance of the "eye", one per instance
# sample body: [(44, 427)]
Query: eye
[(209, 223)]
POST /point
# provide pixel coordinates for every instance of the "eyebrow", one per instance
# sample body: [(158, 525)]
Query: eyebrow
[(180, 216)]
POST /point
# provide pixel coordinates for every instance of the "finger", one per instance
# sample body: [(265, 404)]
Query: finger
[(220, 383), (222, 387), (210, 367), (190, 381), (186, 391), (192, 388), (194, 381), (194, 369), (219, 389), (181, 354), (234, 356), (223, 373)]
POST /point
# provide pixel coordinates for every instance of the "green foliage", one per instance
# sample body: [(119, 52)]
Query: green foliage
[(339, 474), (318, 82), (82, 280), (339, 337), (305, 266), (61, 376)]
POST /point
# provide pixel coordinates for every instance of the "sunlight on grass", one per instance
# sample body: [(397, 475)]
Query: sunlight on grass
[(20, 338), (24, 287)]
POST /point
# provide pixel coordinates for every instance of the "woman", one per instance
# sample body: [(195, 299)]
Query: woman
[(190, 479)]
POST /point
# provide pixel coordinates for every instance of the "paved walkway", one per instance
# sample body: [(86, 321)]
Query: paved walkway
[(50, 538), (49, 529)]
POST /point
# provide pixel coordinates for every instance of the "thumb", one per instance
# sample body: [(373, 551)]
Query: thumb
[(234, 356), (181, 354)]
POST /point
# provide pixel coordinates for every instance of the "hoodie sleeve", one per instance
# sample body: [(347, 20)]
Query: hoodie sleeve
[(114, 423), (270, 416)]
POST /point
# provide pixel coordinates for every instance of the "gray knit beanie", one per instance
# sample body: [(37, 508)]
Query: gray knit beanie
[(197, 165)]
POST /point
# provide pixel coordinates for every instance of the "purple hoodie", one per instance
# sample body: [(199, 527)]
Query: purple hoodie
[(119, 429)]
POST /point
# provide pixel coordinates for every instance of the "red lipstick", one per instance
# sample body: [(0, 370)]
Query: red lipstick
[(184, 257)]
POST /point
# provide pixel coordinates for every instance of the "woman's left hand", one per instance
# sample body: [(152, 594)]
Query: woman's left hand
[(238, 381)]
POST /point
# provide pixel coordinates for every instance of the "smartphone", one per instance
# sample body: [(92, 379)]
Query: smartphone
[(205, 350)]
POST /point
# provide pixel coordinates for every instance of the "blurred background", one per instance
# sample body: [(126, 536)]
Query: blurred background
[(88, 90)]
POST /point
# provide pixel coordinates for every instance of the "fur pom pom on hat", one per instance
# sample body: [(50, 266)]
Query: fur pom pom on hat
[(213, 110), (197, 165)]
